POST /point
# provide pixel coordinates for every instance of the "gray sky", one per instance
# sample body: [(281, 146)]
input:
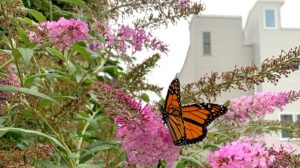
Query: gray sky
[(178, 36)]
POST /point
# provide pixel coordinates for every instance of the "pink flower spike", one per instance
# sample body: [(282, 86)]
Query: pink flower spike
[(245, 108), (128, 38)]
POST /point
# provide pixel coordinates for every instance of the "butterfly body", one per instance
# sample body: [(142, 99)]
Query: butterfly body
[(188, 124)]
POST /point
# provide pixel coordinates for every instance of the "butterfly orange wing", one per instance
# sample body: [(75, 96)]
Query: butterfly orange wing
[(197, 117), (172, 114)]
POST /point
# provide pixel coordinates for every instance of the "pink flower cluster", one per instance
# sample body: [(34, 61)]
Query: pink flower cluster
[(146, 140), (62, 33), (142, 133), (126, 38), (246, 107), (184, 3), (11, 79), (248, 152)]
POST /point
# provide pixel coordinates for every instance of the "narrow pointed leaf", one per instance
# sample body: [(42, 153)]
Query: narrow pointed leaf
[(75, 2), (25, 53), (90, 166), (185, 160), (32, 132), (27, 91), (55, 52), (45, 164), (96, 147), (37, 15)]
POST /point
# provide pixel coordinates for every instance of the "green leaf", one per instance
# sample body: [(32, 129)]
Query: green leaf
[(8, 52), (181, 164), (219, 134), (83, 51), (96, 147), (2, 120), (27, 91), (16, 53), (29, 79), (83, 115), (185, 160), (23, 35), (210, 146), (145, 97), (79, 77), (45, 164), (26, 20), (112, 71), (101, 38), (25, 53), (2, 133), (90, 153), (37, 15), (90, 165), (45, 102), (32, 132), (71, 68), (55, 52), (5, 64), (2, 1), (75, 2)]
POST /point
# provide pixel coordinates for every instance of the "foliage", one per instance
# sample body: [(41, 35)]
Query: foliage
[(271, 70), (71, 94), (150, 13)]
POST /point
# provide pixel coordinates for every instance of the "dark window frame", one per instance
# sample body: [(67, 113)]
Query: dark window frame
[(296, 66), (206, 43), (284, 134)]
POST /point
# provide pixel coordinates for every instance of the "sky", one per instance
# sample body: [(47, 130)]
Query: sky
[(177, 36)]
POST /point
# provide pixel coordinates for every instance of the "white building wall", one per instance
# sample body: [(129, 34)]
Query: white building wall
[(271, 42), (231, 45), (228, 50)]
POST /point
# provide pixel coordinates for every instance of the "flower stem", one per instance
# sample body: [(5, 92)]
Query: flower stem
[(68, 161), (82, 133), (19, 72)]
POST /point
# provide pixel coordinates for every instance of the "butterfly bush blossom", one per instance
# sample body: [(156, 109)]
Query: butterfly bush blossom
[(125, 38), (250, 153), (245, 107), (185, 4), (143, 135), (62, 33), (10, 79)]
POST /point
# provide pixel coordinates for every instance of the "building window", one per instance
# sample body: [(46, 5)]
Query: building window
[(298, 118), (296, 66), (270, 19), (206, 43), (286, 118)]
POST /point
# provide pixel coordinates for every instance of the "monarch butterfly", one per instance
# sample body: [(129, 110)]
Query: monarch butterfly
[(188, 124)]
